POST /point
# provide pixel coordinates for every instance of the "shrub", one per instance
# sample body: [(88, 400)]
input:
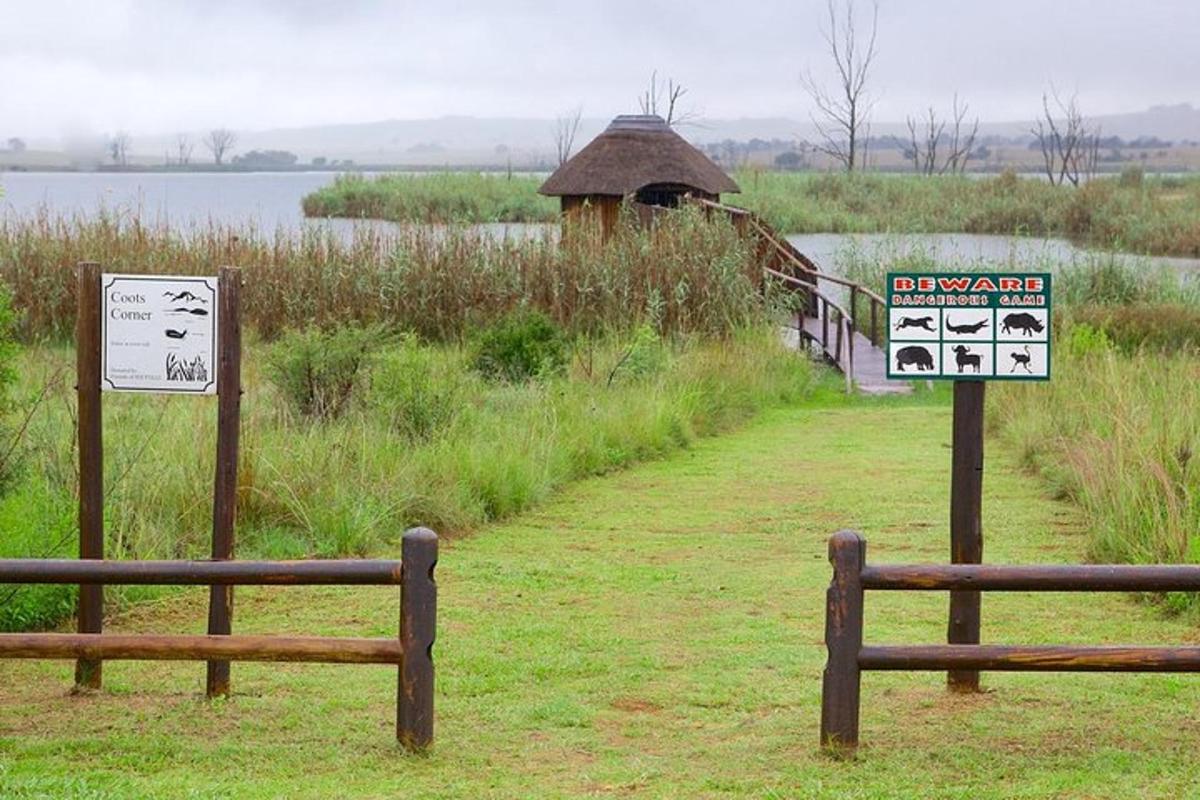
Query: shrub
[(319, 372), (10, 453), (1163, 328), (523, 345), (645, 354), (419, 390), (1085, 339)]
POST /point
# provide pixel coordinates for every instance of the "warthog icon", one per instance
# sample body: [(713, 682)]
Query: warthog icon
[(1026, 323), (921, 358)]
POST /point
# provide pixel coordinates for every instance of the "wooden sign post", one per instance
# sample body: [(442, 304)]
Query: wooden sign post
[(969, 328), (229, 400), (966, 522), (91, 459), (158, 334)]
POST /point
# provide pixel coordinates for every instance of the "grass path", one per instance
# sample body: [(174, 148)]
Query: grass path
[(655, 633)]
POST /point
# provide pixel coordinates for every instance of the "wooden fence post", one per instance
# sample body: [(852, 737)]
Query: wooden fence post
[(840, 685), (229, 394), (418, 626), (966, 526), (91, 459)]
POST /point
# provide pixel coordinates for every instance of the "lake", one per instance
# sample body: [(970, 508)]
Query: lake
[(271, 200)]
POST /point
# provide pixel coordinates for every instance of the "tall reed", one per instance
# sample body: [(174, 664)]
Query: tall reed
[(685, 275), (1159, 216)]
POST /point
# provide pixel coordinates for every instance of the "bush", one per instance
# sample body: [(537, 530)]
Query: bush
[(319, 372), (644, 355), (1130, 328), (1085, 339), (419, 390), (523, 345), (10, 453)]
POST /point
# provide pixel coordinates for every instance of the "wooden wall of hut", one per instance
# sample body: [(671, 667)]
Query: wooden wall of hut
[(587, 211)]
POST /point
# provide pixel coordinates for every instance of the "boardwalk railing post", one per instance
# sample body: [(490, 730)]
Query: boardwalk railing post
[(418, 624), (91, 460), (843, 640)]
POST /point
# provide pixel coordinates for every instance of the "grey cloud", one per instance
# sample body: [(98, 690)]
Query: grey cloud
[(160, 66)]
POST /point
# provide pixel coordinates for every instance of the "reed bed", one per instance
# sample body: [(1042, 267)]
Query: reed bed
[(444, 197), (1131, 213), (686, 275)]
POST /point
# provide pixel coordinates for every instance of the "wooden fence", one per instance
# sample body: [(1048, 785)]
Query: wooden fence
[(411, 652), (848, 657)]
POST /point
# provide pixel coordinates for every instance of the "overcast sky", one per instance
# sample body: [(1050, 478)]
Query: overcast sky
[(153, 66)]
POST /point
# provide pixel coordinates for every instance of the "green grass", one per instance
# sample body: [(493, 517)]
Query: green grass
[(654, 633), (1132, 213), (439, 197), (424, 441), (1115, 432), (1159, 216)]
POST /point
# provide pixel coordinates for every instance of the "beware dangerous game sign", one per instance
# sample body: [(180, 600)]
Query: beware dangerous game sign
[(968, 326)]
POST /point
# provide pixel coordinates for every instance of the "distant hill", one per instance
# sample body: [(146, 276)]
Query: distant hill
[(529, 142)]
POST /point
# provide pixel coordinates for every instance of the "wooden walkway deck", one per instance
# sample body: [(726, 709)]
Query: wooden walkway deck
[(869, 372)]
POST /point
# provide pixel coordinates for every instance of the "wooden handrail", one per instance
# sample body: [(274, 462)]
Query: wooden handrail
[(844, 320), (804, 265)]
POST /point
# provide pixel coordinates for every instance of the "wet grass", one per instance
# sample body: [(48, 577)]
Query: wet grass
[(424, 440), (1143, 215), (445, 197), (654, 633)]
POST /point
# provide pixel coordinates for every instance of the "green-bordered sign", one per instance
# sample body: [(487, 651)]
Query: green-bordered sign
[(968, 326)]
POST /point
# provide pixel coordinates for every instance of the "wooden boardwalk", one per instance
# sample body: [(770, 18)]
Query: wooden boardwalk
[(829, 305), (870, 367)]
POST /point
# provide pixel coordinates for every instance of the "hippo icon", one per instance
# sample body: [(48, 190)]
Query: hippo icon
[(918, 356), (1025, 323)]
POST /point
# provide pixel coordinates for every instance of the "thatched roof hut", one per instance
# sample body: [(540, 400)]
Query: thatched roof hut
[(638, 157)]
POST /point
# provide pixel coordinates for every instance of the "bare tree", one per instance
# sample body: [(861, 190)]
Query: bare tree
[(183, 149), (842, 114), (566, 126), (925, 138), (220, 141), (661, 98), (962, 140), (1070, 147), (118, 148), (923, 148)]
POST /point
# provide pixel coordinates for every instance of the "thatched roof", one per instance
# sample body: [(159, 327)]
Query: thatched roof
[(633, 152)]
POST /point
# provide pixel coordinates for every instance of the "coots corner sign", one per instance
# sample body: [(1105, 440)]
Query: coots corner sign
[(159, 334), (968, 326)]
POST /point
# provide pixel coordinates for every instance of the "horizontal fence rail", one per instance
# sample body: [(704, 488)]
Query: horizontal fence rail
[(1034, 578), (848, 657), (201, 573), (411, 651), (117, 647), (1040, 658)]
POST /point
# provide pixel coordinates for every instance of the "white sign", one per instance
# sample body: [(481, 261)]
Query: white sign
[(159, 334)]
